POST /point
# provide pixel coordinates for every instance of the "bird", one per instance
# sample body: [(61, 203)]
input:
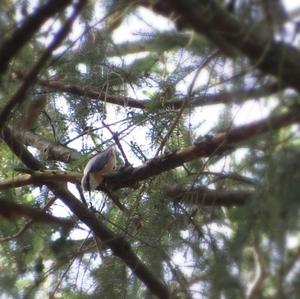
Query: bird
[(98, 166)]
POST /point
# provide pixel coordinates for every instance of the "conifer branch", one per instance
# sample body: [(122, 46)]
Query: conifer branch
[(39, 178), (119, 246), (47, 148), (202, 196), (190, 195), (31, 25), (233, 37), (217, 145), (94, 94), (31, 77), (128, 177), (27, 224), (11, 210), (196, 100)]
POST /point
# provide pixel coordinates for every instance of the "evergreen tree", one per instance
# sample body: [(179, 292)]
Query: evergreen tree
[(200, 99)]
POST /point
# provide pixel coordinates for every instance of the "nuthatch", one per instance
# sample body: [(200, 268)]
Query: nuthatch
[(97, 167)]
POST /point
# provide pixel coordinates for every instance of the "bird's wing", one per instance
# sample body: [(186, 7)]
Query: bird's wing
[(98, 162)]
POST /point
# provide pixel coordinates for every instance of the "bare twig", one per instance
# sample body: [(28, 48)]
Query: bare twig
[(114, 198), (118, 143), (232, 176), (178, 275), (93, 93)]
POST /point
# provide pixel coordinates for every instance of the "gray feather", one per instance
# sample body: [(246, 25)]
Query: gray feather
[(98, 162), (94, 165)]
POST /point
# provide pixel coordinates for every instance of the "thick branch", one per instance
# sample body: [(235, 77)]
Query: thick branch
[(16, 182), (18, 148), (39, 178), (31, 25), (195, 196), (207, 147), (119, 246), (202, 196), (49, 149), (236, 96), (211, 19), (11, 210), (95, 94)]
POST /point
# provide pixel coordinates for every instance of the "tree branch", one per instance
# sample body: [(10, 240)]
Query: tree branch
[(202, 196), (231, 176), (18, 148), (196, 195), (31, 25), (10, 210), (48, 148), (119, 246), (205, 148), (211, 19), (16, 182), (31, 77), (228, 97), (94, 94), (40, 177), (235, 96), (128, 177)]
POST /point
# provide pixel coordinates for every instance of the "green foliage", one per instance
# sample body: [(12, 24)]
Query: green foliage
[(111, 286), (199, 250)]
